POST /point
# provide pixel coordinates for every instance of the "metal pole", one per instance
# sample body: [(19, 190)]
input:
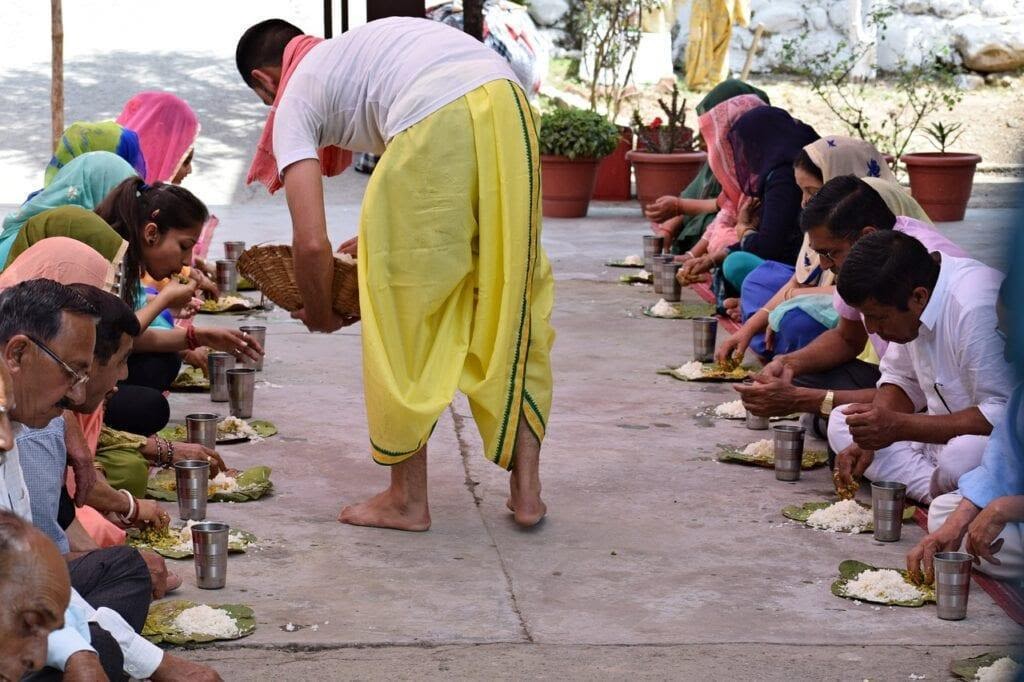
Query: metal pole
[(328, 19), (473, 18), (344, 15)]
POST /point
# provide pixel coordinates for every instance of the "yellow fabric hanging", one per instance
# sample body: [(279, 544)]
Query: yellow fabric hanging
[(707, 50), (455, 289)]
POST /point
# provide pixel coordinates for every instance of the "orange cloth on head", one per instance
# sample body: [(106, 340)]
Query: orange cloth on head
[(333, 160)]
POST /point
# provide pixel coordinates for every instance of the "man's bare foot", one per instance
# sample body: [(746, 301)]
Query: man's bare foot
[(403, 506), (384, 511), (524, 481)]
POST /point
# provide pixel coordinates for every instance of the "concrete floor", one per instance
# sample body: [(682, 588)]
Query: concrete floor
[(655, 562)]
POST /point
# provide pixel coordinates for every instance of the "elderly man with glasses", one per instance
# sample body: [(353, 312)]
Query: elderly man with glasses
[(47, 337)]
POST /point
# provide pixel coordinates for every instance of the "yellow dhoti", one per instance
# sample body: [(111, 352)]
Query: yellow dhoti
[(707, 49), (455, 290)]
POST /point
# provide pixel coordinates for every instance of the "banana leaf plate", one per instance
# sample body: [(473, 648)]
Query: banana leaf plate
[(164, 541), (804, 511), (967, 668), (253, 484), (228, 304), (684, 311), (179, 434), (733, 455), (712, 372), (850, 569), (637, 279), (191, 380), (622, 264), (710, 412), (245, 285), (160, 628)]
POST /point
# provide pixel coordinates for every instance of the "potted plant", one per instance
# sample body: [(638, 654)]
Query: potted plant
[(572, 142), (664, 160), (942, 181)]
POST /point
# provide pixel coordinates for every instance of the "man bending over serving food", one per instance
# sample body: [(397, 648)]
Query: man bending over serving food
[(944, 382), (841, 365), (455, 291)]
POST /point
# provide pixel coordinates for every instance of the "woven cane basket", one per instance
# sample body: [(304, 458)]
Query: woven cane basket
[(271, 269)]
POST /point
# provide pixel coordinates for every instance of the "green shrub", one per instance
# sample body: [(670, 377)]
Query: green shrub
[(577, 134)]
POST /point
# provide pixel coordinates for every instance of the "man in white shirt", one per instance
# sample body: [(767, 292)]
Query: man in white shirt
[(47, 335), (455, 290), (944, 382)]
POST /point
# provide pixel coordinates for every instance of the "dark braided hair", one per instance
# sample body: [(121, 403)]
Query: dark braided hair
[(133, 204)]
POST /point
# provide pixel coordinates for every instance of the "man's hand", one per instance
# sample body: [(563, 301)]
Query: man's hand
[(946, 538), (662, 208), (771, 371), (151, 515), (84, 666), (873, 427), (157, 572), (350, 247), (80, 458), (851, 464), (983, 531), (770, 396), (336, 322), (175, 669)]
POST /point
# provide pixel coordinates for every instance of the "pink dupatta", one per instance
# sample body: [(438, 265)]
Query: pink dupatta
[(715, 125), (167, 129)]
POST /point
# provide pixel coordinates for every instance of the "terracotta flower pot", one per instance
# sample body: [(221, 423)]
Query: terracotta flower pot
[(613, 179), (658, 175), (941, 182), (567, 185)]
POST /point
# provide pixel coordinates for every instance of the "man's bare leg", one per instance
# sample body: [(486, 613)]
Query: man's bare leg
[(524, 480), (403, 506)]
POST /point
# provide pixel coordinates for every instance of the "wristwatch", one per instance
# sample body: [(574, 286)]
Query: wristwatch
[(827, 404)]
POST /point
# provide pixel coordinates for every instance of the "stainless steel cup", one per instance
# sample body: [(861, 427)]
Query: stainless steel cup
[(201, 428), (192, 479), (705, 337), (258, 333), (952, 584), (660, 260), (887, 507), (652, 246), (227, 277), (241, 386), (671, 289), (233, 250), (789, 451), (210, 546), (219, 364), (755, 423)]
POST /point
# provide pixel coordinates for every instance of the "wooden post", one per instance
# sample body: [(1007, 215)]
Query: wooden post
[(473, 18), (758, 32), (56, 72)]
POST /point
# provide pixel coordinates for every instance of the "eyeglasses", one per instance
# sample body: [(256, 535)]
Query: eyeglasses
[(831, 253), (77, 379)]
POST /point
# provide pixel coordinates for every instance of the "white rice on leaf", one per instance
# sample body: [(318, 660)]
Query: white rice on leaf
[(222, 483), (633, 260), (665, 309), (731, 410), (206, 620), (691, 370), (846, 516), (1004, 670), (760, 448), (882, 585)]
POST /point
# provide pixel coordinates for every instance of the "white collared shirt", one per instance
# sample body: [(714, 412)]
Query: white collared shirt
[(141, 657), (956, 362)]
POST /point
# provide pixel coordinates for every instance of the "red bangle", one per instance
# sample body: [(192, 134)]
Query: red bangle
[(190, 338)]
